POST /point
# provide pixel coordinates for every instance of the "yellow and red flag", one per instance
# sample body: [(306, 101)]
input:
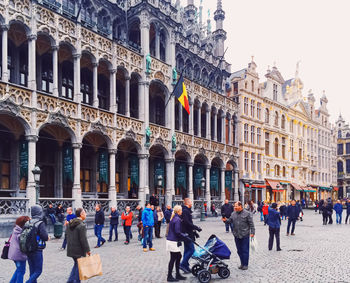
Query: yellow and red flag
[(181, 94)]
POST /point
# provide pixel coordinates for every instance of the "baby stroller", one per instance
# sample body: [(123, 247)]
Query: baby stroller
[(209, 260)]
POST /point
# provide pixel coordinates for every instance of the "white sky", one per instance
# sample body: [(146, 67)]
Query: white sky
[(316, 32)]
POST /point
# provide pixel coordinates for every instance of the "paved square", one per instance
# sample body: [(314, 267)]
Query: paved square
[(316, 254)]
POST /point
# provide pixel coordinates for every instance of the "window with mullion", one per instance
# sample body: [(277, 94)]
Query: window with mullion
[(86, 86), (67, 80)]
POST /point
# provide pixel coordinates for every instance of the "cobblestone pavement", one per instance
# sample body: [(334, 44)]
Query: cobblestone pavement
[(316, 254)]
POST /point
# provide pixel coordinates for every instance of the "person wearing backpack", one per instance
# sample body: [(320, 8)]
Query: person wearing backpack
[(15, 254), (35, 255)]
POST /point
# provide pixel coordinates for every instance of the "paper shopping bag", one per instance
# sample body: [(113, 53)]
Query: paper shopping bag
[(89, 266)]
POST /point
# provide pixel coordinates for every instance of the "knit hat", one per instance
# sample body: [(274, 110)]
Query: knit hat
[(274, 205)]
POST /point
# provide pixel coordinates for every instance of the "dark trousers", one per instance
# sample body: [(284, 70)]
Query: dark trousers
[(242, 246), (74, 274), (127, 233), (64, 244), (228, 226), (148, 233), (188, 252), (347, 216), (111, 228), (274, 232), (35, 261), (291, 221), (157, 228), (265, 219), (325, 218), (174, 259), (330, 221)]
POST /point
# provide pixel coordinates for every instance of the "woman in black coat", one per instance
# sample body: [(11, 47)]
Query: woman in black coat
[(325, 213)]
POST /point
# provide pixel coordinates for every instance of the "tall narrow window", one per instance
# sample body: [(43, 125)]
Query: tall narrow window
[(276, 119), (284, 171), (246, 161), (46, 73), (291, 124), (245, 106), (283, 122), (258, 111), (267, 144), (292, 150), (275, 92), (86, 86), (258, 136), (267, 169), (252, 108), (276, 147), (259, 163), (252, 86), (245, 132), (252, 134), (283, 148), (67, 80), (267, 116), (253, 162)]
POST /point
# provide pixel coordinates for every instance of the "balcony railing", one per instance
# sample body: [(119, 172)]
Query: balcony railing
[(13, 206)]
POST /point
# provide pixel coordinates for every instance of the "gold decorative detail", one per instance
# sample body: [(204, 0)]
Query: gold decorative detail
[(20, 96), (89, 114), (40, 118), (106, 118)]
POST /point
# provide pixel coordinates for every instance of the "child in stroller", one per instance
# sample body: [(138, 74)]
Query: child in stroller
[(209, 260)]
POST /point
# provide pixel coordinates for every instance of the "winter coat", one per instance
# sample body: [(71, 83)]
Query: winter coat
[(37, 215), (283, 209), (59, 211), (147, 217), (50, 211), (139, 216), (226, 210), (338, 208), (167, 215), (14, 250), (243, 224), (265, 209), (174, 233), (329, 208), (77, 243), (348, 207), (293, 212), (274, 219), (127, 217), (187, 225), (99, 217), (114, 220)]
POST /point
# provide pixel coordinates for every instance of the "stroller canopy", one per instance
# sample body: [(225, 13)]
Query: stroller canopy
[(215, 246)]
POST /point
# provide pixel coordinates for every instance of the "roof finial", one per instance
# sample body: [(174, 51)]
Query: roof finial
[(201, 12), (219, 5), (297, 70)]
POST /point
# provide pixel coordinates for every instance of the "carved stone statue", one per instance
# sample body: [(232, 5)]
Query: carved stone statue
[(148, 64), (148, 137), (174, 76), (173, 143)]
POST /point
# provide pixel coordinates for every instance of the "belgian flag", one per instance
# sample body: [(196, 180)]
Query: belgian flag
[(181, 94)]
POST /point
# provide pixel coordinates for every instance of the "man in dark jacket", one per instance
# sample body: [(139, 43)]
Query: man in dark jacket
[(293, 214), (243, 230), (99, 223), (329, 209), (60, 213), (274, 222), (113, 224), (154, 200), (167, 213), (35, 259), (50, 212), (226, 211), (78, 245), (188, 227)]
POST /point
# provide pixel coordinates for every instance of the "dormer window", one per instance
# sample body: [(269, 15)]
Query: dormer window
[(275, 92)]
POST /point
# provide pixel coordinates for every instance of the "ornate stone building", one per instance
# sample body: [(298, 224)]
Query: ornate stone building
[(85, 94)]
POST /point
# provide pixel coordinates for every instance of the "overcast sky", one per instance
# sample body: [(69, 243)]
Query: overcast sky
[(316, 32)]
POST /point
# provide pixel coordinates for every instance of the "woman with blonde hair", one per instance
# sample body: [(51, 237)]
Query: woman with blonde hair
[(173, 244)]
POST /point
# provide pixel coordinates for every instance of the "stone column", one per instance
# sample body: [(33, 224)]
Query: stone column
[(215, 126), (229, 135), (77, 97), (113, 90), (199, 121), (191, 118), (5, 74), (190, 180), (157, 45), (222, 176), (223, 128), (170, 187), (207, 186), (76, 192), (32, 140), (143, 178), (127, 96), (32, 62), (55, 70), (236, 188), (112, 193), (208, 123), (144, 27), (58, 187), (180, 118), (94, 84)]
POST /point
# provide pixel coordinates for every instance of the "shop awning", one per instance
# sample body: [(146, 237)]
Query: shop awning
[(309, 190), (273, 184), (297, 187), (284, 183), (325, 188), (336, 188), (255, 186)]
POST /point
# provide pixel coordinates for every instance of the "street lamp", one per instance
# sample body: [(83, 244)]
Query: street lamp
[(36, 172), (250, 190), (277, 187), (159, 185), (203, 194), (331, 187)]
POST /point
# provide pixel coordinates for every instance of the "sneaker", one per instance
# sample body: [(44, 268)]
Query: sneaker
[(97, 247), (61, 249), (103, 243), (185, 270), (126, 243), (240, 267), (145, 250), (152, 249), (244, 267)]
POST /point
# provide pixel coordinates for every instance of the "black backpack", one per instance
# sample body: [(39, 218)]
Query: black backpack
[(28, 242)]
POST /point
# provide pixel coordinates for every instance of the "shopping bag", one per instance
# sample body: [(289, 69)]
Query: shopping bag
[(253, 244), (89, 266)]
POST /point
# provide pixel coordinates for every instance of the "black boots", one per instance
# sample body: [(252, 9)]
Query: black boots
[(171, 279), (180, 277)]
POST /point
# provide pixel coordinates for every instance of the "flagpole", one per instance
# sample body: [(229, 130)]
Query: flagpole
[(172, 93)]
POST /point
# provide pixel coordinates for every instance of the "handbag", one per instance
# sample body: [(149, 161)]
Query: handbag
[(253, 244), (5, 249), (89, 266)]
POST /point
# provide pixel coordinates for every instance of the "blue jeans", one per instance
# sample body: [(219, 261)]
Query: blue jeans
[(111, 228), (148, 234), (74, 275), (98, 234), (188, 252), (291, 221), (242, 246), (52, 218), (338, 218), (19, 272), (227, 226), (35, 261)]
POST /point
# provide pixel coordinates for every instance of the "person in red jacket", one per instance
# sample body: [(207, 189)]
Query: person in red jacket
[(127, 221), (265, 210)]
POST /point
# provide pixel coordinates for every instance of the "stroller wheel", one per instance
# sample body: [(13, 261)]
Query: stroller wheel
[(204, 276), (195, 269), (224, 272)]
